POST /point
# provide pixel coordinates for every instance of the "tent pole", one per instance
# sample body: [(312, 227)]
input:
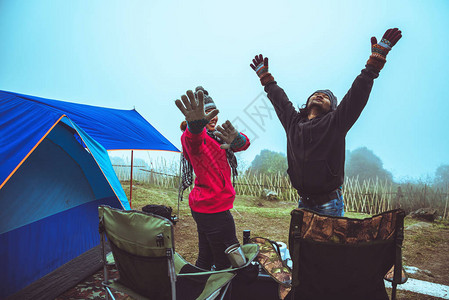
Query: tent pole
[(180, 183), (131, 182)]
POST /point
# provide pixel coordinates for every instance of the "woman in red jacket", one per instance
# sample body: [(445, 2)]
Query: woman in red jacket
[(209, 150)]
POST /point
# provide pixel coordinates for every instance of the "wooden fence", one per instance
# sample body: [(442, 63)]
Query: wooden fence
[(369, 196)]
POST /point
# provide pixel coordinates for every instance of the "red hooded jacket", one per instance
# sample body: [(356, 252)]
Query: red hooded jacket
[(213, 191)]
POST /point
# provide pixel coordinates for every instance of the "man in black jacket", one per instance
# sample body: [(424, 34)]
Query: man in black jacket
[(316, 134)]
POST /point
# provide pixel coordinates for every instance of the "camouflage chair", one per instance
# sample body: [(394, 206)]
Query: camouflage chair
[(343, 258), (143, 251), (269, 258)]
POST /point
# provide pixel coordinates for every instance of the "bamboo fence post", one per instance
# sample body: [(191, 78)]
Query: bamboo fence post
[(376, 200), (346, 194), (391, 196), (386, 194), (365, 196), (247, 180), (447, 198), (358, 194)]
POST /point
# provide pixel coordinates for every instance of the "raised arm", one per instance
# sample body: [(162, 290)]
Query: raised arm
[(284, 108), (356, 98)]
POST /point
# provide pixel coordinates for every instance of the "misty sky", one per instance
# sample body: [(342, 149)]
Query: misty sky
[(145, 54)]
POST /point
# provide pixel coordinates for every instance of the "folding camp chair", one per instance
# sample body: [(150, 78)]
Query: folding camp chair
[(143, 250), (343, 258)]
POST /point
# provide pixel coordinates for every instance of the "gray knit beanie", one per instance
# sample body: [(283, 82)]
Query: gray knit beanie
[(331, 96), (208, 101)]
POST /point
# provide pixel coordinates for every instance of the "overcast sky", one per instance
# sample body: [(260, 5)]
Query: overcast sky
[(145, 54)]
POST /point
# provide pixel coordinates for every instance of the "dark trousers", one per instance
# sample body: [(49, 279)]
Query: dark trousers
[(216, 232)]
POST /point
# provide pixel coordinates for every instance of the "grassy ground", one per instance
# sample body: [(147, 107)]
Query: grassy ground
[(424, 247)]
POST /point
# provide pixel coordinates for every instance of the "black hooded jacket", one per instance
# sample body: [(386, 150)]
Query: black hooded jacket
[(316, 147)]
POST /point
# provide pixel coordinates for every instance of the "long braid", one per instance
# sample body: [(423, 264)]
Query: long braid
[(232, 160), (187, 173)]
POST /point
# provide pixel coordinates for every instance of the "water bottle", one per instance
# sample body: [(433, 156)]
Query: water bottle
[(246, 236)]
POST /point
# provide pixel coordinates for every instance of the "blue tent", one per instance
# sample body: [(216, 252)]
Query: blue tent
[(54, 172)]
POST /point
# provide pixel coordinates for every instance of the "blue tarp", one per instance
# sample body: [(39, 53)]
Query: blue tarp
[(24, 121), (54, 172)]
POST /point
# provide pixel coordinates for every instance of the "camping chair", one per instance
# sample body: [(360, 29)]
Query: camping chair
[(343, 258), (143, 250)]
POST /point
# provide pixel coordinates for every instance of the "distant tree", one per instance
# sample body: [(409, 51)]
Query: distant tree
[(441, 177), (269, 162), (363, 163), (242, 164), (348, 153)]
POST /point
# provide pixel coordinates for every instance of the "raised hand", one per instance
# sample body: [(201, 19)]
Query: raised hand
[(260, 66), (227, 133), (389, 39), (380, 50), (194, 111)]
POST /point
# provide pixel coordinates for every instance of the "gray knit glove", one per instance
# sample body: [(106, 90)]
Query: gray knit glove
[(231, 137), (196, 118)]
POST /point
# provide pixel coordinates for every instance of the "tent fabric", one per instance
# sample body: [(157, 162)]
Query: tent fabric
[(102, 159), (54, 173), (50, 174), (25, 120), (35, 250), (48, 207)]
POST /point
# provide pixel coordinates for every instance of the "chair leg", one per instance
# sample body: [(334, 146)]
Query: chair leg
[(171, 272), (105, 269), (109, 293), (225, 290)]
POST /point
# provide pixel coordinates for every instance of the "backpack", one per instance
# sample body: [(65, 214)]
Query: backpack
[(161, 210)]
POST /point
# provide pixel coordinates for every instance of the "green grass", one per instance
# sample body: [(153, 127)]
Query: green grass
[(265, 212), (355, 215), (269, 219), (144, 194)]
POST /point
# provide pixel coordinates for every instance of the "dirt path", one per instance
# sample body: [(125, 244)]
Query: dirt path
[(426, 247)]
